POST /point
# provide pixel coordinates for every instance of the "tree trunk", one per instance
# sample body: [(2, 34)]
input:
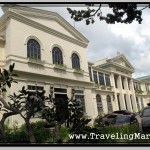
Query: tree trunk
[(57, 132), (31, 136), (2, 133)]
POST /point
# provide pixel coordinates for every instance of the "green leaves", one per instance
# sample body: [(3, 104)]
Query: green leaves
[(7, 77), (11, 67), (120, 13)]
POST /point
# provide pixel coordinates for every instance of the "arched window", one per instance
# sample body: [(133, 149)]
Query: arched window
[(75, 61), (109, 104), (57, 56), (33, 49), (99, 103)]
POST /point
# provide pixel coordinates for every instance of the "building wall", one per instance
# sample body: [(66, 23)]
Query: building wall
[(14, 50)]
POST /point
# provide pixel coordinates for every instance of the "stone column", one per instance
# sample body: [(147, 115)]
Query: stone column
[(133, 96), (126, 84), (115, 94), (119, 82), (128, 102)]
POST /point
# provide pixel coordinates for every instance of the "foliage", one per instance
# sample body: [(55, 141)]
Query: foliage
[(121, 13), (6, 108), (79, 70), (19, 135), (6, 77), (60, 65), (138, 91)]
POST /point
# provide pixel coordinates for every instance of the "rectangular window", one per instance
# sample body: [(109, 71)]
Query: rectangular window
[(107, 79), (122, 80), (128, 83), (138, 105), (125, 100), (139, 86), (131, 102), (90, 73), (79, 91), (147, 87), (80, 99), (60, 90), (116, 78), (34, 88), (118, 98), (95, 76), (142, 103), (101, 78)]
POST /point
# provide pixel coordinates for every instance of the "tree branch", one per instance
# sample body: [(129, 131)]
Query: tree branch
[(145, 7), (96, 11)]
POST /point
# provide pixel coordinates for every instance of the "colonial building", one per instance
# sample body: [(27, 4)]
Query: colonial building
[(50, 54)]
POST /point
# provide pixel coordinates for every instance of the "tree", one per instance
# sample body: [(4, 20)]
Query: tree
[(121, 13), (27, 104), (68, 112), (6, 79), (56, 112)]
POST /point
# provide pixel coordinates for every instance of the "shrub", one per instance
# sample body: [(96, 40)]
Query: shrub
[(18, 135)]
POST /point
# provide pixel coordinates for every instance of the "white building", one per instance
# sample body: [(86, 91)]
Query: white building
[(49, 53)]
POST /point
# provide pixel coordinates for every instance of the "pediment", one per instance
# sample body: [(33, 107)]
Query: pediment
[(121, 60), (48, 19)]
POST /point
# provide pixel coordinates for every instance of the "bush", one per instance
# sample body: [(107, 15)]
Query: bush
[(18, 135)]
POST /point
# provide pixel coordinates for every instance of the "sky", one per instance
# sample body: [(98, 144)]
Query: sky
[(132, 40)]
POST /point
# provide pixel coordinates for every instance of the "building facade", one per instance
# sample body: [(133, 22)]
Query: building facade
[(50, 54)]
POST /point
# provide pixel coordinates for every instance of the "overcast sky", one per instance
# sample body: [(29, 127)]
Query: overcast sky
[(133, 40)]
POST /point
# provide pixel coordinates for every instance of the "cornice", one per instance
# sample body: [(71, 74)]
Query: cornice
[(100, 69), (65, 79), (117, 65)]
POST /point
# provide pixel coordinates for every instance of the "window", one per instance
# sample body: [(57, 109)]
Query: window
[(138, 105), (57, 56), (90, 73), (79, 91), (60, 90), (119, 105), (107, 79), (80, 99), (75, 61), (125, 100), (137, 86), (128, 83), (131, 102), (122, 80), (33, 49), (116, 78), (101, 78), (147, 87), (99, 103), (109, 104), (34, 88), (95, 76)]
